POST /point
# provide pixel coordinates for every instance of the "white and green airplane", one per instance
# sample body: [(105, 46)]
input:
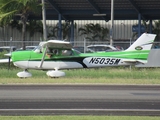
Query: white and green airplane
[(56, 55)]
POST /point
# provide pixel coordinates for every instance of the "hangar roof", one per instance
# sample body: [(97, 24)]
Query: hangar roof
[(86, 9)]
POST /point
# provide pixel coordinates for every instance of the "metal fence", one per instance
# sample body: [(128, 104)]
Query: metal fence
[(122, 30), (125, 43), (18, 44)]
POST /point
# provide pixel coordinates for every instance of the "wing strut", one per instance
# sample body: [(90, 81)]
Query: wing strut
[(42, 60)]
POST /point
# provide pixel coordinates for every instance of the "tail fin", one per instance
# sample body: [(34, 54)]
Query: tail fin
[(144, 42), (139, 50)]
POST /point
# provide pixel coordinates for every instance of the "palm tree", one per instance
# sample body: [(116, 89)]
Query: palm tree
[(34, 26), (156, 29), (99, 33), (21, 8), (146, 28), (66, 31), (15, 24), (94, 32), (86, 30)]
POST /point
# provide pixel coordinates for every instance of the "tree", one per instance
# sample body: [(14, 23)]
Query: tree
[(34, 26), (146, 28), (66, 31), (15, 24), (156, 29), (94, 32), (19, 8), (86, 30)]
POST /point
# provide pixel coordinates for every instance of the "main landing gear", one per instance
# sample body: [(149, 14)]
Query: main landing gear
[(50, 73), (55, 73)]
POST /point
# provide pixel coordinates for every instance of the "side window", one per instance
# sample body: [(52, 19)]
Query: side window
[(66, 52), (108, 49), (53, 51)]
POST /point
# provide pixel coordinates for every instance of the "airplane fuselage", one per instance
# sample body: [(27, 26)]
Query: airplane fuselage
[(32, 60), (55, 55)]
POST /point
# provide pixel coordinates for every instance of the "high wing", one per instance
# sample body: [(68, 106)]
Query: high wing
[(56, 44)]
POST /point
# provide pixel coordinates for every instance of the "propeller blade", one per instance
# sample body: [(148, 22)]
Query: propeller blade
[(9, 62), (9, 59)]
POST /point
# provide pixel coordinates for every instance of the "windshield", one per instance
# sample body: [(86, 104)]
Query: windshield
[(35, 48), (38, 49)]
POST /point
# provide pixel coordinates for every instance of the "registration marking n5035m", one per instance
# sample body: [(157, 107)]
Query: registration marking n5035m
[(106, 61)]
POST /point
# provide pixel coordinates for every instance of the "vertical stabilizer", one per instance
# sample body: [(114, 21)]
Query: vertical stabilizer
[(139, 50), (144, 42)]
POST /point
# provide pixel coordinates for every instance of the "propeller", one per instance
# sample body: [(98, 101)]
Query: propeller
[(9, 63), (9, 59), (9, 54)]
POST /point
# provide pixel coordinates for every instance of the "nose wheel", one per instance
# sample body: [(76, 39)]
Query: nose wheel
[(24, 74)]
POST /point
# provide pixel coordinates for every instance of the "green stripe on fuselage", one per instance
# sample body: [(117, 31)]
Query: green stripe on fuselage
[(142, 55), (32, 56)]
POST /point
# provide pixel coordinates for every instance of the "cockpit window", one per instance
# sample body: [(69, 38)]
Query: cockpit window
[(53, 51), (76, 52), (38, 49), (66, 52)]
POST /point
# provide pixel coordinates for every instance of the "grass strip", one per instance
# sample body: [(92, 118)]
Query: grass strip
[(120, 75)]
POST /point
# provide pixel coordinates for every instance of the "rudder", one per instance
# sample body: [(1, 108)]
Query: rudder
[(139, 50), (144, 42)]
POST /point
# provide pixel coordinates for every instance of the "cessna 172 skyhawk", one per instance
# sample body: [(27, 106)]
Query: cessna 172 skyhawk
[(55, 55)]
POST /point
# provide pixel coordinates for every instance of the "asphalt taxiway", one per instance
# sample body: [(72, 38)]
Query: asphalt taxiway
[(80, 100)]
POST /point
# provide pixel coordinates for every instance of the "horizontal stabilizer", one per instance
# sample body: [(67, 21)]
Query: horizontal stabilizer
[(134, 61)]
